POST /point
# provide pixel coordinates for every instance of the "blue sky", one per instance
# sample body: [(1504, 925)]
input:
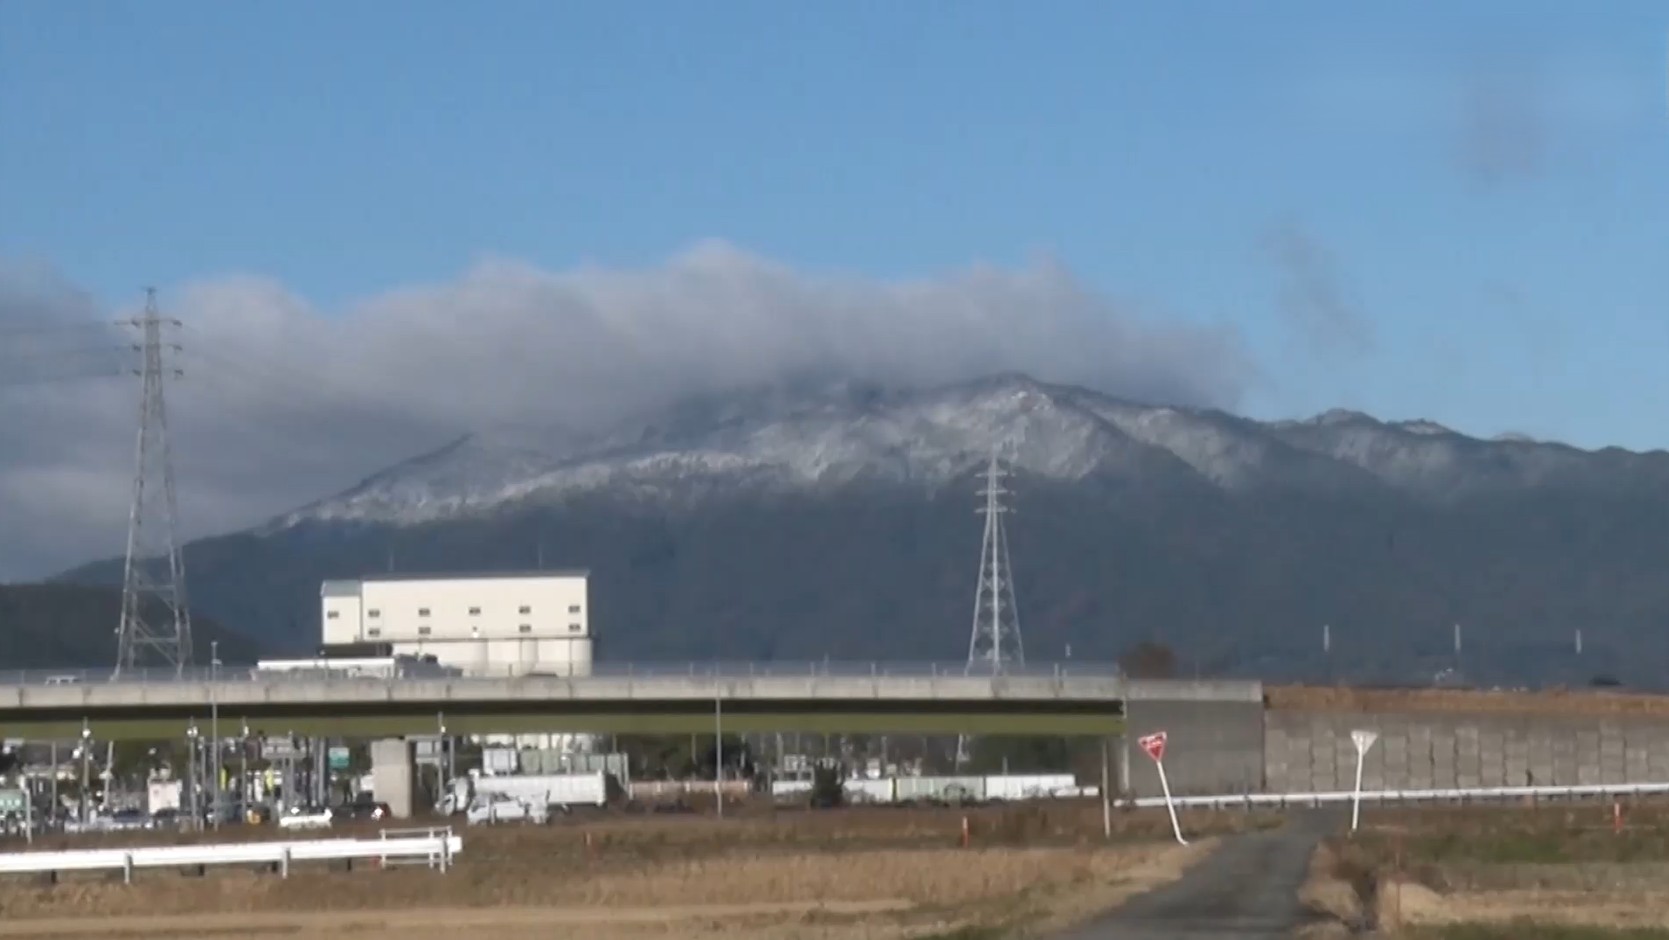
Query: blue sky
[(1481, 189)]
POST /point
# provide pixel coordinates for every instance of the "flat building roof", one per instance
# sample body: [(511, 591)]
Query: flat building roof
[(347, 587), (475, 575)]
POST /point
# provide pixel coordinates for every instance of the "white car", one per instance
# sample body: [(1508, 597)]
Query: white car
[(298, 818), (498, 808)]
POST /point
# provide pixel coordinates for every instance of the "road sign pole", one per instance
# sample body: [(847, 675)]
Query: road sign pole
[(1154, 745), (1170, 805), (1363, 739)]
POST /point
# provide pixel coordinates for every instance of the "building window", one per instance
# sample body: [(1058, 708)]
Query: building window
[(422, 611), (331, 615), (525, 609), (373, 632), (422, 631), (526, 628), (573, 608), (373, 614), (475, 611), (573, 628)]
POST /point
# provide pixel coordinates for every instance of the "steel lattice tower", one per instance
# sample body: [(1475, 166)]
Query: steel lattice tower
[(155, 628), (995, 643)]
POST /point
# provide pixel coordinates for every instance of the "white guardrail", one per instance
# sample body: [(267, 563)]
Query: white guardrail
[(438, 849), (1474, 794)]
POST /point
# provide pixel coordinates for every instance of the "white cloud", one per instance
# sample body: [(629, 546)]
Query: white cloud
[(283, 403)]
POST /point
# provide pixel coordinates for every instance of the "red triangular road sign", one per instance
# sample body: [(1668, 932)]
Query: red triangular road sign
[(1154, 744)]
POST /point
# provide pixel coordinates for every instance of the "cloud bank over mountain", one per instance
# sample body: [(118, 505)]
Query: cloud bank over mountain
[(281, 402)]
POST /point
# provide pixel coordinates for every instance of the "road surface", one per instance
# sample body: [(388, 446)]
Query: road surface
[(1246, 890)]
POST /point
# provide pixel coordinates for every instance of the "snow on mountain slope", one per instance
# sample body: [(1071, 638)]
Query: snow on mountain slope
[(1232, 452), (1427, 458), (814, 437), (827, 437)]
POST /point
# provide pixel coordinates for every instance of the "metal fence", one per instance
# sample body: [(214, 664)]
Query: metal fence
[(722, 670), (438, 847), (732, 670), (1466, 795)]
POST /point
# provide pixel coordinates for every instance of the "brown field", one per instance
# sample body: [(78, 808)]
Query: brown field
[(858, 873), (1547, 702), (1509, 872)]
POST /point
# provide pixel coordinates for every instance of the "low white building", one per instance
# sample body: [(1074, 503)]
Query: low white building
[(481, 624)]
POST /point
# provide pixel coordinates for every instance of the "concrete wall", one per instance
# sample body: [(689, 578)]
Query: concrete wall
[(1311, 751), (1215, 747)]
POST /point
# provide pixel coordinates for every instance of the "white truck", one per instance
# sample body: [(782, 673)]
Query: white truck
[(541, 792)]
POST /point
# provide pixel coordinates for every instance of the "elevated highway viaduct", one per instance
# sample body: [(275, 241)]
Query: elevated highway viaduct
[(1212, 718)]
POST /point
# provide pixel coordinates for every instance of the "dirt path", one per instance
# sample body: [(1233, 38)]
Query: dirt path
[(1247, 890)]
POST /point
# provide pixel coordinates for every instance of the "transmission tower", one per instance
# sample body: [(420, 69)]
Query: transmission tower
[(995, 643), (155, 628)]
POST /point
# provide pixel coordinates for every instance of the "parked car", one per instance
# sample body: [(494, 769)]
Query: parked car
[(300, 817), (493, 808), (128, 820)]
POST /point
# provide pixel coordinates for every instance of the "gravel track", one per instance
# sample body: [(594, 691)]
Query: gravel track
[(1247, 890)]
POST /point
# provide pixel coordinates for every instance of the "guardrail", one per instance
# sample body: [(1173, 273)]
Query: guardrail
[(843, 670), (1474, 794), (439, 849), (441, 860)]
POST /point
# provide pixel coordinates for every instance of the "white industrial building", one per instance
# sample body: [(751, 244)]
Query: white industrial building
[(482, 624)]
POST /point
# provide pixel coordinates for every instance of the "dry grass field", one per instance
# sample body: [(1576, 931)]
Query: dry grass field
[(1500, 873), (836, 875), (1471, 701)]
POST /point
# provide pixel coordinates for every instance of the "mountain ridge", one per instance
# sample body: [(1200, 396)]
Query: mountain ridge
[(838, 519), (848, 431)]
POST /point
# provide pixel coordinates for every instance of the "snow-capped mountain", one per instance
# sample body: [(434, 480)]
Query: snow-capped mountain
[(819, 438), (838, 520)]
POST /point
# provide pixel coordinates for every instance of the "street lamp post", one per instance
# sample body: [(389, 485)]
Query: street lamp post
[(243, 771), (27, 784), (214, 730), (28, 811), (86, 755), (191, 775), (449, 767)]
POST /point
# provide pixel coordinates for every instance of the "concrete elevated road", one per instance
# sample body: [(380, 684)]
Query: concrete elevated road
[(666, 700)]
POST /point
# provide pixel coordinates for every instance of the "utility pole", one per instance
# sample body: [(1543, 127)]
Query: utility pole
[(155, 626), (718, 751), (1327, 651), (1457, 651)]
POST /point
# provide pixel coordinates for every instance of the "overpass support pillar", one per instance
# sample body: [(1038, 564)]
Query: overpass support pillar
[(1122, 743), (393, 775)]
